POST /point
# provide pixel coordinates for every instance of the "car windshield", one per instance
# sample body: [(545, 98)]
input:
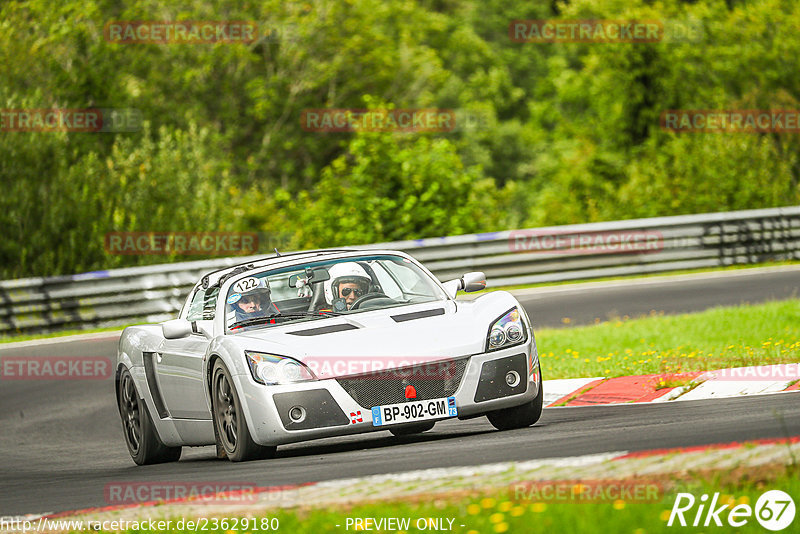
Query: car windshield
[(320, 289)]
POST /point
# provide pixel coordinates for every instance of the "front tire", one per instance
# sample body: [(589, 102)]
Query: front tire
[(230, 422), (519, 416), (141, 437), (416, 428)]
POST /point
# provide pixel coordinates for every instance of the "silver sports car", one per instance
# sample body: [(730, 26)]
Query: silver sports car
[(323, 343)]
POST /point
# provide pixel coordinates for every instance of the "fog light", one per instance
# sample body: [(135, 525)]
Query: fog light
[(512, 379), (297, 414)]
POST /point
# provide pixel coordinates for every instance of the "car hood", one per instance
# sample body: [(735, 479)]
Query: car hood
[(375, 340)]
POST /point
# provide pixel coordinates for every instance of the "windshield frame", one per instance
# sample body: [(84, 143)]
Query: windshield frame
[(440, 294)]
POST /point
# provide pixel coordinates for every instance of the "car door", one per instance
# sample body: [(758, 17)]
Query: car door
[(178, 363)]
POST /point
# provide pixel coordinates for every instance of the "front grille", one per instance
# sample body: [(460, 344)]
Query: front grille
[(431, 380)]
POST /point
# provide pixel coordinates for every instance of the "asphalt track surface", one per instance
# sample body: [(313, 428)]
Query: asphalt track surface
[(61, 441)]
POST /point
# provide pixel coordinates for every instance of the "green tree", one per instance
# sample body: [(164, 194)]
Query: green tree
[(390, 187)]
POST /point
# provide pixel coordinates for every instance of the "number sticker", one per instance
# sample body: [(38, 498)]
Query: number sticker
[(247, 284)]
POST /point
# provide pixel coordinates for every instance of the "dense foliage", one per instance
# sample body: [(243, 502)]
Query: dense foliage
[(569, 131)]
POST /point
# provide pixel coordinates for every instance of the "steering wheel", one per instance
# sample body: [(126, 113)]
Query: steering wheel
[(364, 298)]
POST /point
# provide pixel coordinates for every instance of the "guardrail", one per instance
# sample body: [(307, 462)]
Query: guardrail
[(581, 251)]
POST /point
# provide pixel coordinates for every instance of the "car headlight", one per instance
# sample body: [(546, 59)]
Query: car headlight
[(507, 331), (272, 369)]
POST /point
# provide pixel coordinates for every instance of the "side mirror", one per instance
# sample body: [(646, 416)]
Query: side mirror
[(176, 329), (474, 281), (452, 287), (203, 327)]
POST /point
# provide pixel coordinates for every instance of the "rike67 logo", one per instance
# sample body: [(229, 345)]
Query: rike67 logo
[(774, 510)]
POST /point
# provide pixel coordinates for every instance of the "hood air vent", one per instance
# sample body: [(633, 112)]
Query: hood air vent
[(418, 315), (324, 330)]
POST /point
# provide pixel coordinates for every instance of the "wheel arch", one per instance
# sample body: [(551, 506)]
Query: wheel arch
[(208, 374), (120, 367)]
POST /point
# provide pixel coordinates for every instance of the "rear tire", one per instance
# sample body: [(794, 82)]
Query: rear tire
[(141, 437), (416, 428), (229, 420), (519, 416)]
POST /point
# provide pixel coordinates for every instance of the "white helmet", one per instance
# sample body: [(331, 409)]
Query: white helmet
[(345, 272), (256, 287)]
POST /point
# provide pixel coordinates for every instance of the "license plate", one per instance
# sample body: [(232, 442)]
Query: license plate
[(406, 412)]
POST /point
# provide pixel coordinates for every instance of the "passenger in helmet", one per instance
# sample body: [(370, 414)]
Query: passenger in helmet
[(348, 281), (252, 303)]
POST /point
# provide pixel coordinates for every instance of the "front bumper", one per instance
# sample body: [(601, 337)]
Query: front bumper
[(342, 406)]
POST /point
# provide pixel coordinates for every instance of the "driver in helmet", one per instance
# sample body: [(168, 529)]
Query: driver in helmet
[(252, 303), (348, 281)]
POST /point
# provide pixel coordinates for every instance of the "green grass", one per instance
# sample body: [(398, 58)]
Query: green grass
[(717, 338), (510, 510)]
